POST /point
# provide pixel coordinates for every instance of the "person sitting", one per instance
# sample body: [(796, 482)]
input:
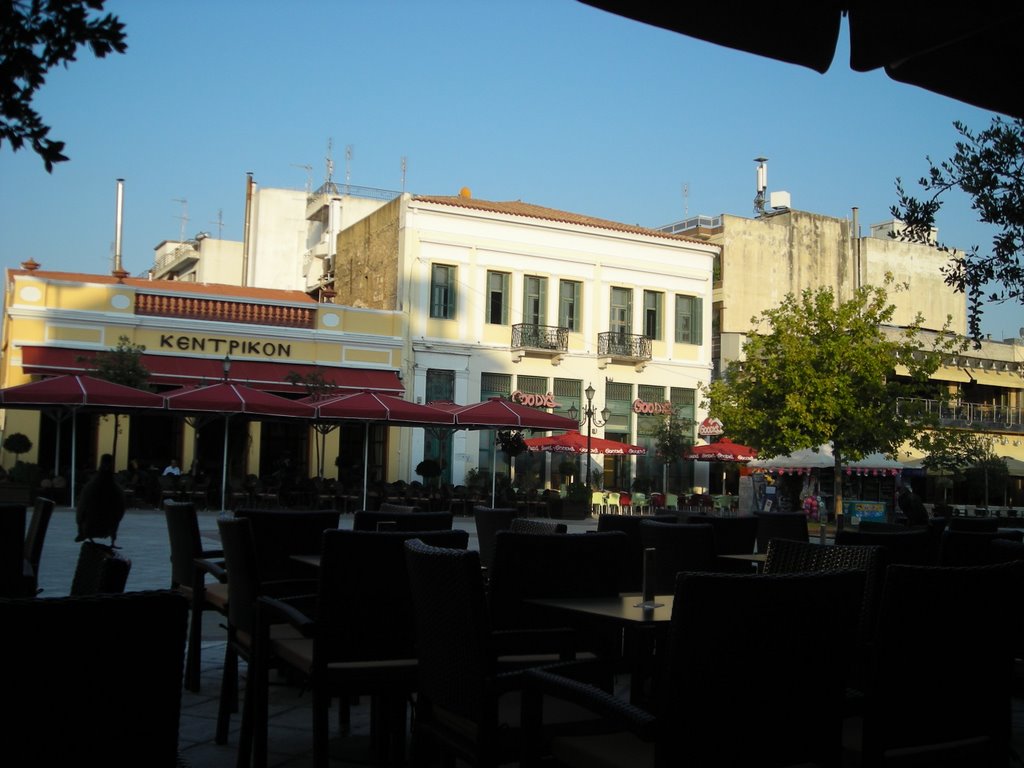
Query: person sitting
[(173, 468), (101, 505)]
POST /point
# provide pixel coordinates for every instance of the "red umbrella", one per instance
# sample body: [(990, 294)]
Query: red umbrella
[(497, 413), (74, 392), (724, 450), (574, 442), (377, 408), (228, 398)]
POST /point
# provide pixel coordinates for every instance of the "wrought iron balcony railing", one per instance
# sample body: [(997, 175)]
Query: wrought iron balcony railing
[(968, 415), (551, 338), (624, 345)]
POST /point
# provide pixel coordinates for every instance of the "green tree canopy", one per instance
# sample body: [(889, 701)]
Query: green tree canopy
[(819, 370), (989, 168), (35, 36), (122, 364)]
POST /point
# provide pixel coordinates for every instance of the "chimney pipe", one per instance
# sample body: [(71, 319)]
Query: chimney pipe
[(245, 233), (119, 271)]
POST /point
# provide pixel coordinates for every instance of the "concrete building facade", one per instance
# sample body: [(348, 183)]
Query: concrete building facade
[(515, 300)]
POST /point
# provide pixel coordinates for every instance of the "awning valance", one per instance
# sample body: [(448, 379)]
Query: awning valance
[(179, 371)]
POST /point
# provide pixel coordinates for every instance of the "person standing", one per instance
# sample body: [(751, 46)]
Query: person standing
[(101, 505)]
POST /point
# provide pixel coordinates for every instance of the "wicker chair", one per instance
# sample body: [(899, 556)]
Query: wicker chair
[(12, 561), (246, 584), (959, 548), (735, 674), (678, 547), (34, 538), (100, 570), (365, 520), (923, 701), (488, 522), (780, 525), (632, 565), (191, 563), (537, 527), (461, 689), (571, 565), (97, 679), (282, 533), (359, 638), (913, 546)]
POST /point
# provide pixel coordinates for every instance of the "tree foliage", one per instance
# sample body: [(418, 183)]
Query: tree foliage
[(35, 36), (17, 443), (820, 371), (122, 364), (989, 167), (673, 437)]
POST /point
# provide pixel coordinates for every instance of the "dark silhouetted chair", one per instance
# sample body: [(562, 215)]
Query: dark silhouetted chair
[(246, 584), (633, 565), (461, 689), (34, 538), (360, 637), (364, 520), (12, 550), (913, 546), (107, 668), (958, 548), (528, 567), (488, 522), (191, 563), (100, 570), (678, 547), (537, 527), (780, 525), (974, 524), (282, 533), (924, 701), (735, 669)]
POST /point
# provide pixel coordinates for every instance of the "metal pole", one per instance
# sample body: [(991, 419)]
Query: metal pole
[(590, 416)]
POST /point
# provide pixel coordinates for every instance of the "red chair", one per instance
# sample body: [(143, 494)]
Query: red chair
[(625, 504)]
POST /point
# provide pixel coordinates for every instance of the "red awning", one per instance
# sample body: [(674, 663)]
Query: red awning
[(179, 371)]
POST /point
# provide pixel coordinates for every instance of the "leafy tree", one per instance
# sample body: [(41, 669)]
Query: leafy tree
[(317, 388), (35, 36), (673, 437), (820, 371), (989, 167), (121, 365), (17, 443), (949, 451)]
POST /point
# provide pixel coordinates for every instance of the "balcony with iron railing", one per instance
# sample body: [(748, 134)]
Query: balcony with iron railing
[(975, 416), (530, 338), (630, 347)]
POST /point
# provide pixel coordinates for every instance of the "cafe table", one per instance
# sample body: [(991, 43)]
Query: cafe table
[(643, 626)]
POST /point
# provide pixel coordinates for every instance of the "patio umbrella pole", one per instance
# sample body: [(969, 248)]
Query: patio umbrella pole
[(74, 462), (366, 459), (224, 468)]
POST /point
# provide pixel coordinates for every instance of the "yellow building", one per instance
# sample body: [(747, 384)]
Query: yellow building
[(56, 323)]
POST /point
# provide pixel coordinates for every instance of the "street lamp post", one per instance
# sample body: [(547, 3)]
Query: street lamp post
[(589, 416)]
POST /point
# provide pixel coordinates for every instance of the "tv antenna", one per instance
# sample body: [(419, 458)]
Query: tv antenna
[(220, 223), (183, 217), (309, 176), (686, 200), (405, 166), (762, 184), (348, 164), (329, 159)]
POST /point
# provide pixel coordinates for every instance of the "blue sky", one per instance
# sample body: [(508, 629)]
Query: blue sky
[(547, 101)]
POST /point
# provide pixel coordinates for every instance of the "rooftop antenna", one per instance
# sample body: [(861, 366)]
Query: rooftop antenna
[(329, 159), (686, 200), (405, 166), (762, 185), (309, 176), (183, 217), (220, 223), (348, 164)]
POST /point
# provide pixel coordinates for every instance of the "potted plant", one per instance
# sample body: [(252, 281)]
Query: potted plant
[(429, 470), (576, 504)]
